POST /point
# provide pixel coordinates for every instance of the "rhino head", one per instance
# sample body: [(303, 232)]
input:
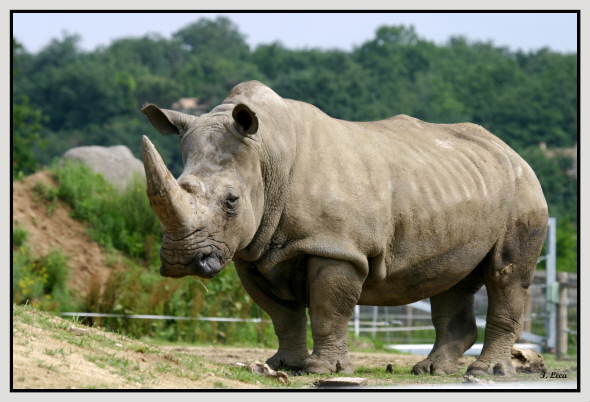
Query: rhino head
[(214, 207)]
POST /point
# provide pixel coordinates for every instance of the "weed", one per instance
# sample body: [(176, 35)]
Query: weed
[(55, 352), (40, 281), (48, 194), (46, 366), (19, 236)]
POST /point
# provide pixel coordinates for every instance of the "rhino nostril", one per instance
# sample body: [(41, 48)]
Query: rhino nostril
[(208, 263)]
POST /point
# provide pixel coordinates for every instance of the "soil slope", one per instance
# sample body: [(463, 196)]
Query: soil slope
[(53, 228)]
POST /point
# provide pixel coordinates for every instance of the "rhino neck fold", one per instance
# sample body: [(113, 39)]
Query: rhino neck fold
[(277, 160)]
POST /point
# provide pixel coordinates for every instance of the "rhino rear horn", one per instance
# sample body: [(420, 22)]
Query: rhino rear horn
[(168, 200), (167, 121)]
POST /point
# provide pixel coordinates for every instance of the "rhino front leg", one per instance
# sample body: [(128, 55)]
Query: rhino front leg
[(288, 318), (334, 290)]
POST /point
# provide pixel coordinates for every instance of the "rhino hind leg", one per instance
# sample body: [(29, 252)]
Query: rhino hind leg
[(508, 276), (454, 321), (334, 290), (289, 321)]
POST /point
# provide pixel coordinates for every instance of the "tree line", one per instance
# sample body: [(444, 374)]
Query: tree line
[(65, 97)]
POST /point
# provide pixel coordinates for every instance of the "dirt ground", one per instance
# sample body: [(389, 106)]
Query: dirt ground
[(231, 355), (53, 353), (56, 229)]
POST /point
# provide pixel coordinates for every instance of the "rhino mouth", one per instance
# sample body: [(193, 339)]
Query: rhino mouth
[(204, 264), (182, 258)]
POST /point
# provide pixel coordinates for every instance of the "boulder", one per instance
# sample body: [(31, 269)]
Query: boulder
[(117, 164)]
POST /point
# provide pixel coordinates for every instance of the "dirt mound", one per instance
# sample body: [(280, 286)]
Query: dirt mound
[(50, 226)]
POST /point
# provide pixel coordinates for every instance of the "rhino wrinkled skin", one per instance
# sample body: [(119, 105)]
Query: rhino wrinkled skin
[(324, 214)]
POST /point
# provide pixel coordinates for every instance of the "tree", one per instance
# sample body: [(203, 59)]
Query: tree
[(26, 124)]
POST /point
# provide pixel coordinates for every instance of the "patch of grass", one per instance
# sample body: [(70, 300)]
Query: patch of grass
[(46, 366), (19, 236), (142, 348), (40, 281), (55, 352), (244, 374), (163, 368), (121, 366), (48, 194)]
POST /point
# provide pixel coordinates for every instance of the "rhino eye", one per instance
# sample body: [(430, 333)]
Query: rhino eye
[(231, 201)]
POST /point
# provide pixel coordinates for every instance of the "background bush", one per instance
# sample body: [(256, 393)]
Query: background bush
[(122, 220), (39, 281)]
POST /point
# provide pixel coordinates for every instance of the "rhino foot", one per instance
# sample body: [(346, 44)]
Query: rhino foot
[(315, 364), (288, 361), (435, 367), (499, 368)]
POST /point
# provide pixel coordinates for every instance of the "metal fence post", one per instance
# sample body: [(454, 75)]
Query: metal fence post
[(357, 313), (561, 342), (552, 285), (375, 315)]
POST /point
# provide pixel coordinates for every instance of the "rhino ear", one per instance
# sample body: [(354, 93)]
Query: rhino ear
[(245, 119), (167, 121)]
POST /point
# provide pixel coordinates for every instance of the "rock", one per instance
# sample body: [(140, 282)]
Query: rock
[(78, 331), (527, 361), (117, 164), (341, 382)]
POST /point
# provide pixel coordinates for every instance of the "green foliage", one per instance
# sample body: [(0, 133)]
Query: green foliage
[(121, 220), (125, 222), (39, 281), (26, 122), (137, 290), (567, 246), (19, 236)]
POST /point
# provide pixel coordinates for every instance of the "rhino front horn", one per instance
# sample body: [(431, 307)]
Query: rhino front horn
[(168, 200)]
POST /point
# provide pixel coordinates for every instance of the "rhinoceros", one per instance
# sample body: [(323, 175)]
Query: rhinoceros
[(322, 214)]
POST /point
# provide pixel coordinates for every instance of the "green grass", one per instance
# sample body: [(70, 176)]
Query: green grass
[(39, 281), (19, 236)]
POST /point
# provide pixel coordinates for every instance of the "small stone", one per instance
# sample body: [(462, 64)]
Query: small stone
[(342, 382), (79, 331)]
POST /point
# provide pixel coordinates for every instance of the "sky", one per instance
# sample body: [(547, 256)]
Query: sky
[(524, 31)]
